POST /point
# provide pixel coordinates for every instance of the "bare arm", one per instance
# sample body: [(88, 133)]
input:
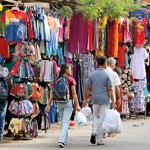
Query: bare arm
[(50, 99), (75, 98), (88, 92), (118, 95), (111, 95), (49, 102)]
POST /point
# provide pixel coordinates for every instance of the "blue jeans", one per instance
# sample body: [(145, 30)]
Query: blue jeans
[(65, 111), (3, 109)]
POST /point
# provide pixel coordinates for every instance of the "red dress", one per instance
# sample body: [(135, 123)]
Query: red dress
[(121, 56), (139, 32), (112, 38)]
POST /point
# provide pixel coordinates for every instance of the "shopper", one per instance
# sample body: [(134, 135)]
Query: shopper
[(65, 109), (100, 85), (111, 62)]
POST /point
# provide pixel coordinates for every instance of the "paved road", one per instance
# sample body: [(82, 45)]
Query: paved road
[(135, 136)]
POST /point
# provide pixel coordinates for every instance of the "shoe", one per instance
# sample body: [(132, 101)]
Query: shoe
[(61, 145), (93, 139), (100, 143)]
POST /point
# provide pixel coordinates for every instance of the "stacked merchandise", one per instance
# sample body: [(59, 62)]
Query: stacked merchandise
[(23, 123)]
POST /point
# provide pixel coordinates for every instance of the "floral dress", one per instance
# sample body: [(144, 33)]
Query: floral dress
[(125, 106), (137, 104)]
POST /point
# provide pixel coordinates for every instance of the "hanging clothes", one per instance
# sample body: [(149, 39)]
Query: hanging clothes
[(82, 33), (125, 79), (9, 14), (4, 48), (139, 31), (36, 70), (30, 27), (78, 39), (87, 63), (112, 38), (121, 55), (77, 75), (61, 30), (94, 35), (15, 25), (125, 106), (148, 26), (46, 71), (73, 39), (137, 63), (127, 36), (67, 24), (138, 102), (90, 36)]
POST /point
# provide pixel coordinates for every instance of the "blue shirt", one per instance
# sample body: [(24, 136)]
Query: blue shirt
[(99, 82)]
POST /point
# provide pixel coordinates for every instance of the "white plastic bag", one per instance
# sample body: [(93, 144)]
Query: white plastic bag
[(80, 119), (112, 122)]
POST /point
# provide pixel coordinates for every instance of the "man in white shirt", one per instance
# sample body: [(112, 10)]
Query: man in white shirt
[(111, 63)]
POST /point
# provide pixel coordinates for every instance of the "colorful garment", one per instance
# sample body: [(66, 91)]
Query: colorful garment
[(78, 34), (125, 79), (61, 30), (4, 48), (112, 38), (67, 28), (125, 106), (9, 14), (139, 31), (15, 32), (21, 108), (90, 36), (87, 62), (46, 71), (127, 36), (121, 56), (137, 104)]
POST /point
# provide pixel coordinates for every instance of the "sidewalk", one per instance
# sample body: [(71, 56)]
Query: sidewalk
[(135, 136)]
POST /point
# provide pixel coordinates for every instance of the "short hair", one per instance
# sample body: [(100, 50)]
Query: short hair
[(101, 60), (111, 61)]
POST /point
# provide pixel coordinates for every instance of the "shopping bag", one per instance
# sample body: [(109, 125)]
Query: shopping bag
[(80, 119), (112, 122)]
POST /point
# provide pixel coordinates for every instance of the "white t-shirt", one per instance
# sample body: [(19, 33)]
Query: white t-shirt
[(137, 63), (115, 79)]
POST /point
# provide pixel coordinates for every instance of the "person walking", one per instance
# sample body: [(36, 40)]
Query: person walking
[(116, 83), (65, 109), (100, 85), (111, 64)]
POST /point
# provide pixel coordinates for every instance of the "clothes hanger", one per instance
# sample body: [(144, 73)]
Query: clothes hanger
[(16, 8)]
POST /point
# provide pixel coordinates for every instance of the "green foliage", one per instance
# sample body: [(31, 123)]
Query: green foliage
[(114, 9), (65, 11)]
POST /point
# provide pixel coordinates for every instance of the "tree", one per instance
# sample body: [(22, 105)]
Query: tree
[(113, 9)]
